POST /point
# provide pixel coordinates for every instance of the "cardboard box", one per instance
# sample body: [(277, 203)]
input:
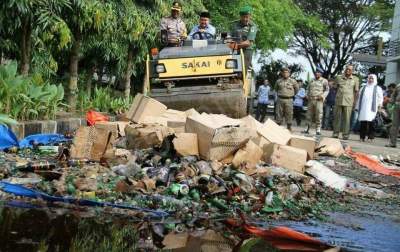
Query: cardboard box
[(117, 128), (288, 157), (186, 144), (90, 143), (176, 120), (251, 122), (155, 120), (274, 133), (173, 119), (143, 106), (331, 147), (247, 158), (191, 112), (219, 135), (305, 143), (143, 136)]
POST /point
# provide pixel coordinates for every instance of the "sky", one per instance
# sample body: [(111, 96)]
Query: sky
[(287, 56)]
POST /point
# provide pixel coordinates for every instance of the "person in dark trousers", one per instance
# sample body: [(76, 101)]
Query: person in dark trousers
[(329, 104), (368, 104), (298, 103), (263, 101)]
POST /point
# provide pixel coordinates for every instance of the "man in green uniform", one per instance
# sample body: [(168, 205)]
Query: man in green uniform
[(286, 88), (347, 89), (244, 33), (316, 94), (394, 131)]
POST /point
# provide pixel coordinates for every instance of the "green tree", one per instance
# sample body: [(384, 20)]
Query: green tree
[(270, 70), (84, 18), (276, 19), (20, 19), (347, 28)]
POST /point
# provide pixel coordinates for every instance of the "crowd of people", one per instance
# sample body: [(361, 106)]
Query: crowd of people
[(340, 104)]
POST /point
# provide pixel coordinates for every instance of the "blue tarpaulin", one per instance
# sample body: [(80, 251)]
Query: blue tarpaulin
[(45, 139), (7, 138), (20, 190)]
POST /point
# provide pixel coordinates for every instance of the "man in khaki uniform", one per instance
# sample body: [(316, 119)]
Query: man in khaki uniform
[(286, 88), (347, 89), (394, 131), (316, 94), (174, 26)]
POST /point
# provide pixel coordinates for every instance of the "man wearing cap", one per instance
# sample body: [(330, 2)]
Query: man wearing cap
[(204, 30), (244, 32), (316, 94), (346, 94), (286, 89), (174, 26)]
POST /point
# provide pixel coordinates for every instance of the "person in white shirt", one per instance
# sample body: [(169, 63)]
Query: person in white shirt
[(298, 103), (263, 101), (368, 104)]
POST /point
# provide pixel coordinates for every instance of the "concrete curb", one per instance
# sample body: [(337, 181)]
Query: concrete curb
[(58, 126)]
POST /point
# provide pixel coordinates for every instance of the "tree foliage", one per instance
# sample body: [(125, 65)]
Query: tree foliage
[(271, 69), (348, 27), (70, 40)]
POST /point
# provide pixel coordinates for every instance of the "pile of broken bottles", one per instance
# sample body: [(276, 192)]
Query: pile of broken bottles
[(198, 168)]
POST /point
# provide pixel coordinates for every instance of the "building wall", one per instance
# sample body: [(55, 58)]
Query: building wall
[(393, 67)]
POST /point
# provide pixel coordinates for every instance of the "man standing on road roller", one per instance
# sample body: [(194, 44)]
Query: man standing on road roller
[(286, 88), (244, 32), (173, 27), (346, 96), (316, 94)]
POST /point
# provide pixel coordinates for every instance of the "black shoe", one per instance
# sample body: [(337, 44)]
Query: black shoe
[(345, 137), (307, 130), (390, 145)]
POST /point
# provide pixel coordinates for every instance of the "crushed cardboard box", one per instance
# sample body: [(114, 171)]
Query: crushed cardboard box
[(175, 241), (331, 147), (143, 106), (247, 158), (90, 143), (274, 133), (220, 135), (267, 133), (143, 136), (117, 128), (173, 119), (305, 143), (176, 120), (186, 144), (191, 112), (288, 157)]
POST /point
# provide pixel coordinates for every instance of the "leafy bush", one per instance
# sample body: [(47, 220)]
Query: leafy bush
[(24, 99), (6, 120), (103, 101)]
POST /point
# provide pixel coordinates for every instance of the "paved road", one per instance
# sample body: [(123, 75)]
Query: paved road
[(377, 147)]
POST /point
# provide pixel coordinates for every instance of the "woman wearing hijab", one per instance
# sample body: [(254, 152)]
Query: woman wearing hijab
[(369, 101)]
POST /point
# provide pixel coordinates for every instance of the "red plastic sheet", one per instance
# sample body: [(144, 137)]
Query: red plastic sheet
[(283, 238), (93, 116), (372, 164)]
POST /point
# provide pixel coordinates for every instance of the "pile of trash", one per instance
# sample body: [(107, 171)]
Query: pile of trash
[(194, 170)]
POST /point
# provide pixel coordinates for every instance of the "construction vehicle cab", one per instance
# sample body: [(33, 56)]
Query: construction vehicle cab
[(203, 74)]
